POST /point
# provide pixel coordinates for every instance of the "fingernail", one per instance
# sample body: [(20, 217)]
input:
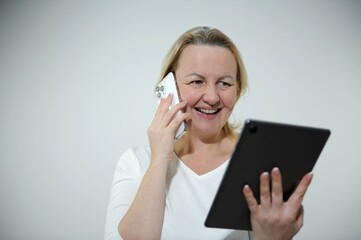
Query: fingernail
[(276, 170), (265, 175), (311, 175)]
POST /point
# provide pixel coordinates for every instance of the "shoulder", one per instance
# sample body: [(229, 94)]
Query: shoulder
[(137, 152), (135, 159)]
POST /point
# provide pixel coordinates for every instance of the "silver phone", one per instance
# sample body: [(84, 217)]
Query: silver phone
[(163, 89)]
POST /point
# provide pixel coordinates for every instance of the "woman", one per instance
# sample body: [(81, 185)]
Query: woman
[(165, 190)]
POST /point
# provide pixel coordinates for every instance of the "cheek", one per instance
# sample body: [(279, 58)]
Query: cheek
[(229, 99), (190, 96)]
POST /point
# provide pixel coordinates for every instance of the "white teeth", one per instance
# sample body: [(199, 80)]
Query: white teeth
[(207, 111)]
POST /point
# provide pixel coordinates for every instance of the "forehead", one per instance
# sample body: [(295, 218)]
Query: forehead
[(205, 58)]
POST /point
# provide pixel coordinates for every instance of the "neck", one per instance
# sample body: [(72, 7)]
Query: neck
[(209, 145), (203, 155)]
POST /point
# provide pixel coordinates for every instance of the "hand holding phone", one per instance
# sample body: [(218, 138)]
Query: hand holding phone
[(163, 89)]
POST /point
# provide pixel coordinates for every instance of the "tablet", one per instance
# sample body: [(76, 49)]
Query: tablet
[(261, 147)]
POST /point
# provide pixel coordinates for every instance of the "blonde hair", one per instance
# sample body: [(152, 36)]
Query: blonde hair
[(212, 37)]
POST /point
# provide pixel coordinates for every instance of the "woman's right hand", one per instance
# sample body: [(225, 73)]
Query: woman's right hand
[(145, 216), (163, 128)]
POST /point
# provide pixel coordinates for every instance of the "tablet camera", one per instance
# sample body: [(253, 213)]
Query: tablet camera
[(253, 129)]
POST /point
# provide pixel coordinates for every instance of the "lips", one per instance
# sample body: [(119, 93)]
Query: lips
[(208, 111)]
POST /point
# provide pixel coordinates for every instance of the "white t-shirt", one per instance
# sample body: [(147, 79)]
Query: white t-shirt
[(188, 198)]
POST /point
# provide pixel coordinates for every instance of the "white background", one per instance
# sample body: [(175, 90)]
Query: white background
[(76, 81)]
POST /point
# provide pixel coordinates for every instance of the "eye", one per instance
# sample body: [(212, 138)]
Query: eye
[(224, 84), (197, 82)]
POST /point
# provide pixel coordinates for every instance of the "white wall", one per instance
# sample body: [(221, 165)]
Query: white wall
[(76, 80)]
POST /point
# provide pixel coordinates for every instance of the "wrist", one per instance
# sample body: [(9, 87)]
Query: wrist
[(158, 166)]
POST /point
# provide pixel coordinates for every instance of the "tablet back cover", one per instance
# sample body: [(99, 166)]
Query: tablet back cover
[(261, 147)]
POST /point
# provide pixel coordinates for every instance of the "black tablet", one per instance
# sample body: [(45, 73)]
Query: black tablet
[(261, 147)]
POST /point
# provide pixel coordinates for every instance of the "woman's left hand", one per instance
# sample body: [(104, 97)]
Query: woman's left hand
[(274, 219)]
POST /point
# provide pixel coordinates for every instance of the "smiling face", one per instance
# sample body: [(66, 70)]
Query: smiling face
[(207, 80)]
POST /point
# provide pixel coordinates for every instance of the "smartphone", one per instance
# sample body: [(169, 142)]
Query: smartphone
[(163, 89)]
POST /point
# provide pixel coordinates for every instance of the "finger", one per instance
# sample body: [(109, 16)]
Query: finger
[(277, 190), (178, 107), (165, 113), (298, 195), (300, 216), (265, 189), (163, 107), (165, 103), (172, 113), (250, 199), (178, 120)]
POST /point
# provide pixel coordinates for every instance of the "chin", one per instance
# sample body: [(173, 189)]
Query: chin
[(207, 130)]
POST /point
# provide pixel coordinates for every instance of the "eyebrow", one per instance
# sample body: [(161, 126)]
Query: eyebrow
[(201, 76), (194, 74), (227, 76)]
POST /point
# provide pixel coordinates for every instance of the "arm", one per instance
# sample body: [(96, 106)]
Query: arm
[(274, 219), (144, 218)]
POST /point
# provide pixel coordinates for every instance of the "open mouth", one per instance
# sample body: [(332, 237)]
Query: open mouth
[(208, 111)]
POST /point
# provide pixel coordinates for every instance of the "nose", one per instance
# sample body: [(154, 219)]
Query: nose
[(211, 95)]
